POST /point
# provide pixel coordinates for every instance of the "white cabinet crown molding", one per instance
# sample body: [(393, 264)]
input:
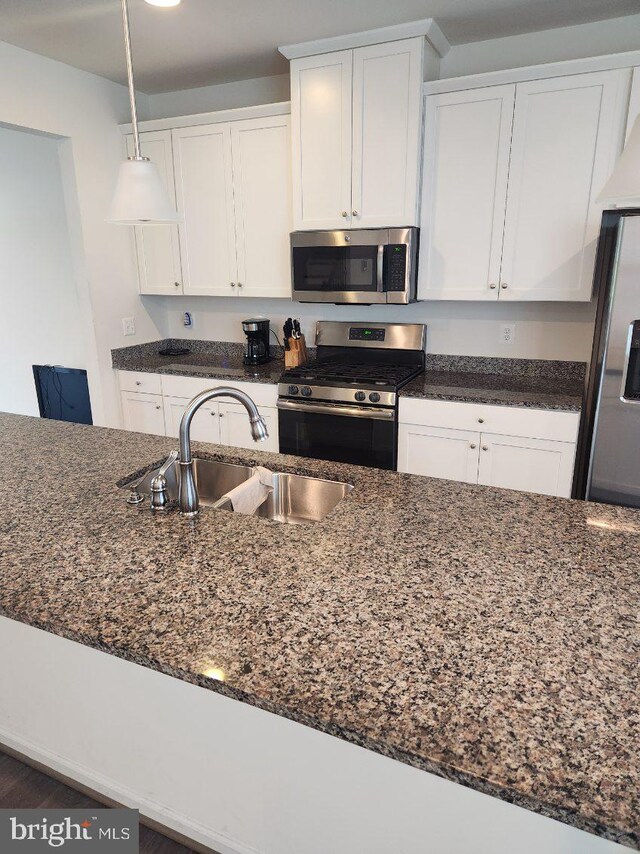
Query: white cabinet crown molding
[(607, 62), (280, 108), (426, 27)]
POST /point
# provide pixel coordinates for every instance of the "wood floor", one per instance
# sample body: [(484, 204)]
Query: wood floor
[(23, 787)]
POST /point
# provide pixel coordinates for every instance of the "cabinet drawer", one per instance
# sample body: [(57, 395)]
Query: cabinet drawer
[(263, 394), (140, 381), (507, 420)]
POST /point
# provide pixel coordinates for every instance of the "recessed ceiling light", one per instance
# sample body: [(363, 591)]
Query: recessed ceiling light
[(163, 2)]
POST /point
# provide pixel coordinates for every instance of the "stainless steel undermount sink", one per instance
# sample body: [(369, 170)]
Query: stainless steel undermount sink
[(295, 499)]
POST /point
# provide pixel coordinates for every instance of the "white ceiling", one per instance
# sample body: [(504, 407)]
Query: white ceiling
[(202, 42)]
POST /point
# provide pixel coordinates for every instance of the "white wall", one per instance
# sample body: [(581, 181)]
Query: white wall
[(41, 315), (84, 111), (224, 96), (542, 331), (597, 39)]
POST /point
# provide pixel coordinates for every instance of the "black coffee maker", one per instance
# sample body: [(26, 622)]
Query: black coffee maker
[(257, 350)]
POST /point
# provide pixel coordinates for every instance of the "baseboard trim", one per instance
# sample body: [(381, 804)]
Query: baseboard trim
[(111, 794)]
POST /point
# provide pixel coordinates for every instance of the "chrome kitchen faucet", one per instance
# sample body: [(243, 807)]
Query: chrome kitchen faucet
[(187, 489)]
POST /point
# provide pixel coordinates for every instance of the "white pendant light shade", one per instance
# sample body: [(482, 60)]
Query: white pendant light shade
[(623, 187), (140, 197)]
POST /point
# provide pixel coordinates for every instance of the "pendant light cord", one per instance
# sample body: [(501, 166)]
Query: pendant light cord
[(132, 91)]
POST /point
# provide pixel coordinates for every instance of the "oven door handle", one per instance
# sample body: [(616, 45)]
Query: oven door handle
[(337, 409)]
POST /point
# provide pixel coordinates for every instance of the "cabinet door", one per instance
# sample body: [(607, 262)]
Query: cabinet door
[(566, 134), (143, 413), (529, 465), (262, 201), (438, 452), (387, 119), (467, 144), (204, 189), (634, 101), (158, 246), (235, 429), (205, 426), (321, 140)]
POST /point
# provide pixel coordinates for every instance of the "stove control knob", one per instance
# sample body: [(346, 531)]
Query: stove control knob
[(293, 389), (306, 391), (360, 395), (374, 397)]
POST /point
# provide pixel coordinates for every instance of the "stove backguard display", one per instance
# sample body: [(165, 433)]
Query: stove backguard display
[(632, 382)]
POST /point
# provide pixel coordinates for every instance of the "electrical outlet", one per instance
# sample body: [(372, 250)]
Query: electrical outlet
[(507, 333), (128, 326), (187, 320)]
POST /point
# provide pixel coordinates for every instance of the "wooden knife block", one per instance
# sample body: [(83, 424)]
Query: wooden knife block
[(297, 352)]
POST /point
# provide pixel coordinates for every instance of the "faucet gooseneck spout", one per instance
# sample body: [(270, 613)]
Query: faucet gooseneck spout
[(187, 489)]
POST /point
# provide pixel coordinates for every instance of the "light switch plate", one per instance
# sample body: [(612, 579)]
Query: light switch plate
[(128, 326)]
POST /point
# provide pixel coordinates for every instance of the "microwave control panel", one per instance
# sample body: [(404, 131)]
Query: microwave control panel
[(396, 264)]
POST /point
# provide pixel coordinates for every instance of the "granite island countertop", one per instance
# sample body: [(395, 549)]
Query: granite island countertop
[(487, 636), (531, 383)]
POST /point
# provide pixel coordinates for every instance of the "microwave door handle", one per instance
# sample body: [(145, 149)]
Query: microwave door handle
[(380, 268)]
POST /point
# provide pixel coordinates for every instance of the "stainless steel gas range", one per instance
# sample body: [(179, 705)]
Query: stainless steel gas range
[(343, 405)]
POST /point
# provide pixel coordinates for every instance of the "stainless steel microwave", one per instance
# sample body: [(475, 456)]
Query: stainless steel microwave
[(367, 266)]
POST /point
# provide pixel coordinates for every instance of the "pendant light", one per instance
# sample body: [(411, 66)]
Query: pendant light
[(623, 187), (140, 197)]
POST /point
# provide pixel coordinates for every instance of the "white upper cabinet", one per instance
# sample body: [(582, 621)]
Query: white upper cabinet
[(262, 203), (510, 185), (387, 112), (158, 246), (566, 134), (321, 91), (204, 188), (356, 128), (467, 145)]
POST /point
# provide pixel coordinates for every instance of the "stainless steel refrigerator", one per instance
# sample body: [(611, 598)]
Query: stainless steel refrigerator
[(609, 454)]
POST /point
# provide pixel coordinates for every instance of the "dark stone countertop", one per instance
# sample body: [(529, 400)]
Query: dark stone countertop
[(214, 359), (487, 636), (531, 383)]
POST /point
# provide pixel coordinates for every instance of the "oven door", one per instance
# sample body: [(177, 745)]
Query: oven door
[(339, 266), (346, 434)]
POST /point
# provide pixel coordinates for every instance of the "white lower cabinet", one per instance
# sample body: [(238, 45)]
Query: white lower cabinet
[(438, 452), (219, 422), (540, 459), (143, 413), (529, 465), (235, 430), (205, 426)]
